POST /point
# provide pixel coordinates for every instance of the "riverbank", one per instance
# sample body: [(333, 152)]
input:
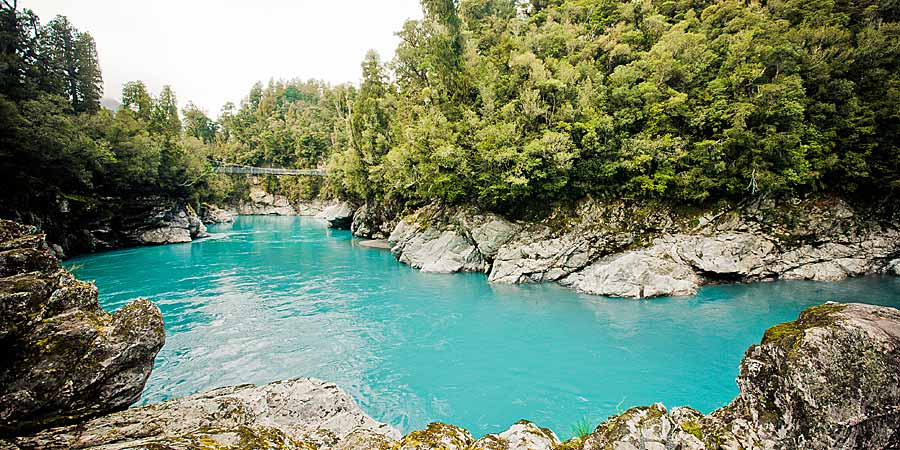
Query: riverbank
[(612, 248), (801, 387), (648, 250), (641, 250)]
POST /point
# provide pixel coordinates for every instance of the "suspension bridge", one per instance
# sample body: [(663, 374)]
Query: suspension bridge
[(223, 167)]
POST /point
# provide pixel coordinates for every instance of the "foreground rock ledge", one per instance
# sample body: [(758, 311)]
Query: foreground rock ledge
[(66, 359), (303, 413), (829, 380)]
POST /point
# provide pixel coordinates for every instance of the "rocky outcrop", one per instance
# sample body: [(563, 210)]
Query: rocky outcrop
[(436, 436), (648, 427), (372, 221), (567, 242), (523, 435), (212, 214), (65, 358), (169, 226), (338, 215), (302, 413), (311, 208), (635, 274), (459, 240), (894, 267), (678, 264), (635, 250), (830, 379), (83, 224), (263, 203)]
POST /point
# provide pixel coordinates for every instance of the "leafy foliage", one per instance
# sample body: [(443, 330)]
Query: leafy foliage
[(55, 140), (504, 103), (509, 104)]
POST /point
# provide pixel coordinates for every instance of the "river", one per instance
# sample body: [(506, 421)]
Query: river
[(270, 298)]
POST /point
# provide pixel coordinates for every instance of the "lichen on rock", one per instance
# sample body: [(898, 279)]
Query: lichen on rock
[(522, 435), (67, 358), (299, 413), (436, 436), (830, 379)]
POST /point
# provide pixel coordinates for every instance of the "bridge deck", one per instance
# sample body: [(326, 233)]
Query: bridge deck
[(234, 168)]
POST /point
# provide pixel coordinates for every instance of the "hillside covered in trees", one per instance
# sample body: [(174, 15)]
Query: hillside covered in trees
[(503, 103), (507, 104)]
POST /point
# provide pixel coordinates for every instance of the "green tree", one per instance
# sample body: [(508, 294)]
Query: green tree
[(197, 124)]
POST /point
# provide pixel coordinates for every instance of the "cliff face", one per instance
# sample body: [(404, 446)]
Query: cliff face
[(84, 225), (66, 359), (633, 250)]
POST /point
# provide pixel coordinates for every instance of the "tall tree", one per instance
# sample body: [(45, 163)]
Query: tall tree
[(136, 98), (88, 76), (198, 125), (164, 118), (72, 68)]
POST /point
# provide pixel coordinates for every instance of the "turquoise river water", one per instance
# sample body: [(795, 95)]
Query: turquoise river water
[(270, 298)]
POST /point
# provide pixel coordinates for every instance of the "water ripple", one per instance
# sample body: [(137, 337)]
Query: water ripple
[(270, 298)]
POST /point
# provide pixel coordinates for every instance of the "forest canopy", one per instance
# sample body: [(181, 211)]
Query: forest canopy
[(508, 104), (503, 103)]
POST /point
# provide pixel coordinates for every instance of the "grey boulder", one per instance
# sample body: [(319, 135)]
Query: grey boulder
[(300, 413)]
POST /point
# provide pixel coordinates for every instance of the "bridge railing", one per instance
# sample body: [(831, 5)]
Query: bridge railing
[(249, 170)]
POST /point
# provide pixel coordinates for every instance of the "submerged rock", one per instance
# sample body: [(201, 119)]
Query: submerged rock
[(302, 413), (66, 358)]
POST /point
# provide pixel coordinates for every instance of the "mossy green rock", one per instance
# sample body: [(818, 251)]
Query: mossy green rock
[(830, 379), (66, 358), (437, 436)]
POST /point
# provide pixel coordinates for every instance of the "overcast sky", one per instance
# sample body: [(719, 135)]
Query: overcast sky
[(212, 51)]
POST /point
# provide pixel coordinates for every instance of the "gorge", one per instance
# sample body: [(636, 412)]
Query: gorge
[(395, 365), (534, 225)]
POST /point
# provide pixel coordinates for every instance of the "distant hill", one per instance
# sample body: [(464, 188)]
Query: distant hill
[(110, 104)]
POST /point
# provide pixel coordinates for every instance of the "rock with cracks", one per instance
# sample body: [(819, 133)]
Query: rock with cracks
[(302, 413), (66, 358)]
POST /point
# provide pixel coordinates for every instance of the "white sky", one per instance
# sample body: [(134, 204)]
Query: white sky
[(212, 51)]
